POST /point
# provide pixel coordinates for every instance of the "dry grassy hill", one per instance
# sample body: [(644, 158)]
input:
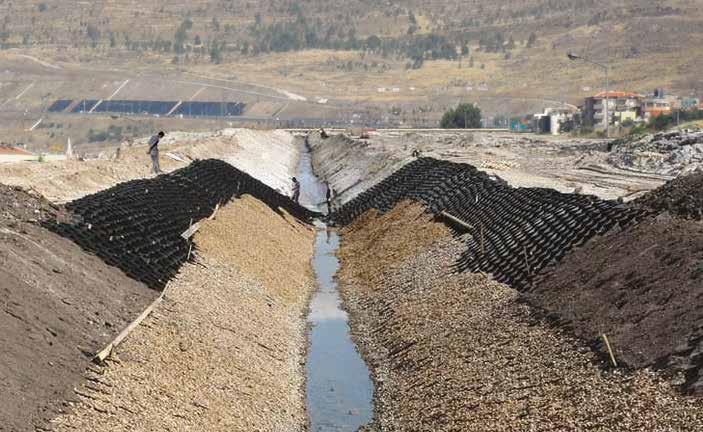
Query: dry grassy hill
[(413, 57)]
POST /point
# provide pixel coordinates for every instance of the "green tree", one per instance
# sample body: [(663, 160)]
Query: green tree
[(373, 43), (466, 115), (181, 35), (93, 34), (215, 53), (531, 40)]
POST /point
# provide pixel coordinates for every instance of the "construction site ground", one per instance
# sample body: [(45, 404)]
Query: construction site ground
[(225, 348), (270, 156), (59, 306), (62, 305), (523, 160)]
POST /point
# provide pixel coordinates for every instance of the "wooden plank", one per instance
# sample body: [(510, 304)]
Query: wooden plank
[(190, 231), (610, 350), (456, 220), (105, 352)]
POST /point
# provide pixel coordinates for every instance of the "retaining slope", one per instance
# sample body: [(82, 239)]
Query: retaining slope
[(515, 231), (137, 226)]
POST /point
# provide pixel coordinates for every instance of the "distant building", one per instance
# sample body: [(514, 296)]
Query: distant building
[(689, 103), (553, 120), (658, 104), (622, 106), (14, 154)]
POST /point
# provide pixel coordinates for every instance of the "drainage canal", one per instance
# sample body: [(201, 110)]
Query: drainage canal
[(339, 389)]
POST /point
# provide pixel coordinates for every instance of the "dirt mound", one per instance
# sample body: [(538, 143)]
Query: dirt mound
[(59, 306), (16, 204), (224, 350), (681, 197), (643, 287), (246, 222), (668, 153)]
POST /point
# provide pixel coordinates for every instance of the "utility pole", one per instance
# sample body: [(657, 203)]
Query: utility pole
[(605, 67)]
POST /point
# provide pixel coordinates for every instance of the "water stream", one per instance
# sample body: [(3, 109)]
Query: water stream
[(339, 388)]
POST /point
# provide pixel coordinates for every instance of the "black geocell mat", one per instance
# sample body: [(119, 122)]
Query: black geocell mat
[(515, 233), (137, 226)]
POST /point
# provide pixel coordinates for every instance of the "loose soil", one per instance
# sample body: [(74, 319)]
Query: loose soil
[(251, 244), (59, 306), (224, 351), (456, 352), (643, 287), (681, 197)]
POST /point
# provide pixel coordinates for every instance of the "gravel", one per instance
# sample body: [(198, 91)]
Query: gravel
[(225, 349), (668, 153), (462, 352)]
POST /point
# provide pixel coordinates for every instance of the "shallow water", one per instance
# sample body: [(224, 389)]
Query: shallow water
[(339, 388)]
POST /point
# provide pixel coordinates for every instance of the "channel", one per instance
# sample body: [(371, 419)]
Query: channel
[(339, 391)]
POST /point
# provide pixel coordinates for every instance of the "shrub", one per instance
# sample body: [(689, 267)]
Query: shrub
[(466, 115)]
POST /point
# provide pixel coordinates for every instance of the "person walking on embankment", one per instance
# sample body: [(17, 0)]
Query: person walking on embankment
[(154, 151), (329, 197), (296, 190)]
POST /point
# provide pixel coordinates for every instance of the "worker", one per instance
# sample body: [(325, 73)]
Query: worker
[(154, 151), (296, 190), (330, 196)]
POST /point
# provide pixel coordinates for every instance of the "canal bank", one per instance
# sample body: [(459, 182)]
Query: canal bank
[(339, 390)]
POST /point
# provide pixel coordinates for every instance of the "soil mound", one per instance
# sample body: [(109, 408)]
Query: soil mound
[(59, 306), (643, 288), (681, 197), (668, 153)]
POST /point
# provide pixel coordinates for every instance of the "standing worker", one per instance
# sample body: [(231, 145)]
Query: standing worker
[(330, 195), (154, 151), (296, 190)]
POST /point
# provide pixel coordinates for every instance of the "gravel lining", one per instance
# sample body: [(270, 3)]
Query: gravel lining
[(462, 352)]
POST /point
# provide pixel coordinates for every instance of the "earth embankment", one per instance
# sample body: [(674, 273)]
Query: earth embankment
[(459, 351), (225, 348), (60, 306)]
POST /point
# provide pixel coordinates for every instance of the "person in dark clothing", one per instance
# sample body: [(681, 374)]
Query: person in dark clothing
[(296, 190), (330, 196), (154, 151)]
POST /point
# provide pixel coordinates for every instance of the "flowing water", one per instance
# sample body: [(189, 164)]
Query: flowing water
[(339, 389)]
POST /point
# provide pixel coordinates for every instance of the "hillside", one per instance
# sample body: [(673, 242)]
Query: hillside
[(411, 57)]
